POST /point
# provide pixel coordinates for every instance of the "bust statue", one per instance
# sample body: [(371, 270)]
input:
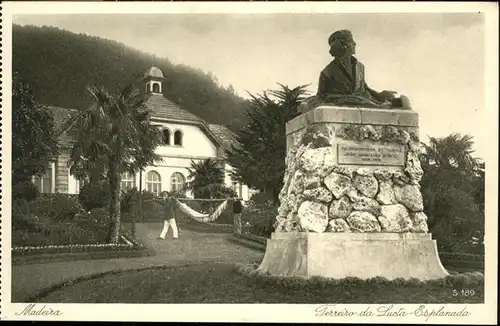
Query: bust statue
[(342, 81)]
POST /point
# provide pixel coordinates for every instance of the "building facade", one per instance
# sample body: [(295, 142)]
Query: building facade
[(185, 136)]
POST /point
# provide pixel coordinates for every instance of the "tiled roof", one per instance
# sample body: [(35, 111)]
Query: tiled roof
[(161, 107), (225, 136)]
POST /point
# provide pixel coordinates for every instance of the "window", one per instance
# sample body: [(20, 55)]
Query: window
[(156, 88), (128, 181), (153, 182), (166, 136), (44, 182), (178, 181), (178, 138)]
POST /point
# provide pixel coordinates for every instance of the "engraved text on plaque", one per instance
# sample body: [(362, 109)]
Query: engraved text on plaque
[(371, 154)]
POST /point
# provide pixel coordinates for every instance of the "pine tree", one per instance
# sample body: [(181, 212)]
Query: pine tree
[(259, 161)]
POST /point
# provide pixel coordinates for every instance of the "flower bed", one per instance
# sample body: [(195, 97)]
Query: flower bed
[(55, 221), (54, 233), (126, 243), (126, 248)]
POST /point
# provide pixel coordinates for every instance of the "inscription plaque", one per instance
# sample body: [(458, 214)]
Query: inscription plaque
[(371, 154)]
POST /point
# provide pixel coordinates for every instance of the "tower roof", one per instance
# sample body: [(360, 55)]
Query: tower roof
[(153, 72)]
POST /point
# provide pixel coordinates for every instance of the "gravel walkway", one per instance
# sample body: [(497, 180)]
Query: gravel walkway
[(191, 247)]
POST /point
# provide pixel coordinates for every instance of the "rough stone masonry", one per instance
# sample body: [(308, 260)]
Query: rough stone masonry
[(321, 195), (351, 203)]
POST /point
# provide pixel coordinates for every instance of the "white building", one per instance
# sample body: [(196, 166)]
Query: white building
[(186, 137)]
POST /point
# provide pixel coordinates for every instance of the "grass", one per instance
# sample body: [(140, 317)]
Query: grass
[(191, 247), (223, 283)]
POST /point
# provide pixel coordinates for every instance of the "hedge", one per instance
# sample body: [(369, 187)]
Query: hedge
[(457, 281)]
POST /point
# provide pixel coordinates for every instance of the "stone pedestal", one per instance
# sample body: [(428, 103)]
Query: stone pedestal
[(351, 202), (363, 255)]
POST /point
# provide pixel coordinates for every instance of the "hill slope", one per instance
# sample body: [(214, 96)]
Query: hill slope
[(58, 65)]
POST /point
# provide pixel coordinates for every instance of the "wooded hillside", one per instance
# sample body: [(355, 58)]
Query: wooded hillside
[(58, 65)]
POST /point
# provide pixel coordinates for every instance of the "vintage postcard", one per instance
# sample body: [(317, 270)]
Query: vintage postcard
[(233, 162)]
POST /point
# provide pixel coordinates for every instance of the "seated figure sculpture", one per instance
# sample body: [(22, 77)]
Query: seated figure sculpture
[(342, 81)]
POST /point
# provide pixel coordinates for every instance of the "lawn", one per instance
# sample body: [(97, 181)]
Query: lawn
[(223, 283)]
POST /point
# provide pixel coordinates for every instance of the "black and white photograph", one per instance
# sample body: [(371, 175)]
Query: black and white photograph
[(303, 162)]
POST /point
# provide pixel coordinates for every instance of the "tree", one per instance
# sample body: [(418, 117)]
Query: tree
[(34, 139), (207, 180), (259, 161), (453, 191), (38, 52), (113, 135)]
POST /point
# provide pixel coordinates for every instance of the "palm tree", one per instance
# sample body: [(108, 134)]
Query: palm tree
[(113, 135), (454, 151), (207, 179), (451, 187)]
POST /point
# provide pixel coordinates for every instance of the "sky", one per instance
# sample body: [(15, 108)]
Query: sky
[(436, 59)]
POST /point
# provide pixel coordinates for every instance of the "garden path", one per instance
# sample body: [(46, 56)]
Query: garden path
[(192, 247)]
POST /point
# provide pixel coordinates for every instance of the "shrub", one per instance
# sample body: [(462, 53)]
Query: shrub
[(261, 218), (321, 284), (20, 206), (57, 219), (25, 190), (84, 228), (152, 206), (27, 238), (174, 193), (57, 207), (85, 233), (24, 222), (94, 195), (62, 234), (129, 200), (261, 198), (96, 216)]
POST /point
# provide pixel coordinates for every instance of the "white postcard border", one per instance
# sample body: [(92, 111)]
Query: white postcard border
[(480, 313)]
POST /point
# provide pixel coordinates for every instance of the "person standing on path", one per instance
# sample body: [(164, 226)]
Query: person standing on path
[(169, 212), (237, 208)]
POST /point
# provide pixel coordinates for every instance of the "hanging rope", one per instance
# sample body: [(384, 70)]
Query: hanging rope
[(201, 217), (192, 213)]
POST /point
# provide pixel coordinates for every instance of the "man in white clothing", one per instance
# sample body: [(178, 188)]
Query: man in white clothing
[(170, 204)]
